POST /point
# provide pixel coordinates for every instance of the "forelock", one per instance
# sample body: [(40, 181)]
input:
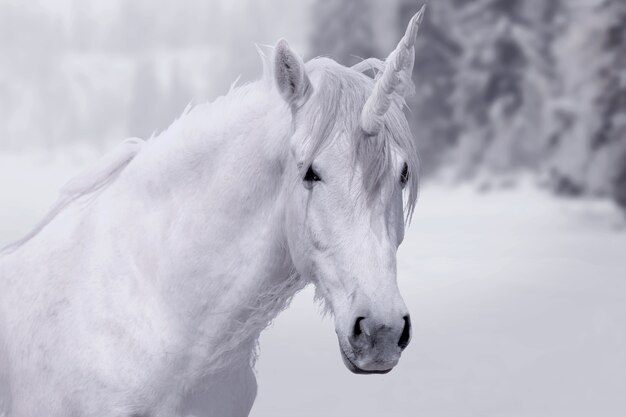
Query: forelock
[(334, 110)]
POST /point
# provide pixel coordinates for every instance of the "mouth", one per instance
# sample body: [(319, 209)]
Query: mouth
[(355, 369)]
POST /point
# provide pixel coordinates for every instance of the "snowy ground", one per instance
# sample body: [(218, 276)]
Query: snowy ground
[(519, 308), (518, 301)]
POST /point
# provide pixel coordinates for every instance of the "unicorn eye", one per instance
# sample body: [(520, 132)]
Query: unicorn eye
[(311, 176), (404, 176)]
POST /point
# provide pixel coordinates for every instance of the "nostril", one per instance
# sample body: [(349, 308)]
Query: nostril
[(356, 330), (405, 337)]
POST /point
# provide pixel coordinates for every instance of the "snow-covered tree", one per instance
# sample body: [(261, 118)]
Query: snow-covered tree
[(613, 85), (502, 85), (436, 62), (591, 61), (612, 136), (342, 30), (619, 182)]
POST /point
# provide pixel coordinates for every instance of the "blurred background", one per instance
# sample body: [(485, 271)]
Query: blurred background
[(513, 266)]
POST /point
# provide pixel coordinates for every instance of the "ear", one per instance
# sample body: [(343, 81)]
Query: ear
[(291, 78)]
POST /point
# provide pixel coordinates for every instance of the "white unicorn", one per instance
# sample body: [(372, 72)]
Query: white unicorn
[(144, 290)]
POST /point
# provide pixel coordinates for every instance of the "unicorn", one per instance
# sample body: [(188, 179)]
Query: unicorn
[(144, 291)]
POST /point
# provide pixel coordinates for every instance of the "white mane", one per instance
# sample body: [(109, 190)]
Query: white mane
[(340, 97), (104, 172), (87, 182)]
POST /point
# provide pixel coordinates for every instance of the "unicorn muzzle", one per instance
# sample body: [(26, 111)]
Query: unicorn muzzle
[(374, 346)]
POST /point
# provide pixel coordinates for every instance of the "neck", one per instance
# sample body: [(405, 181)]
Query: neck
[(211, 202)]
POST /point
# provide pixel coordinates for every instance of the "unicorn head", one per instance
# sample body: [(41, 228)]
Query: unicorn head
[(353, 163)]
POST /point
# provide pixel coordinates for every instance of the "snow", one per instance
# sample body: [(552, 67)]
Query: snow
[(518, 302)]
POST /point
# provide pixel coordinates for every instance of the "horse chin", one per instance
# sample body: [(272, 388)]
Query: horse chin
[(356, 370)]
